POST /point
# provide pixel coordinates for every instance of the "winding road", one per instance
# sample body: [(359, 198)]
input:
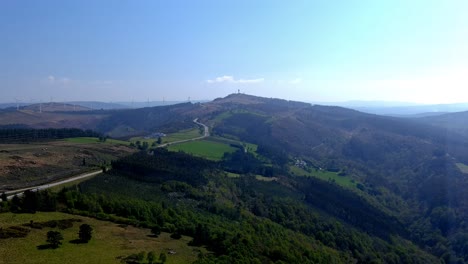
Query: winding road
[(206, 134), (20, 192)]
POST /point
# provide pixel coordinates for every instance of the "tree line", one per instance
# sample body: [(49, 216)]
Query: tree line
[(24, 135)]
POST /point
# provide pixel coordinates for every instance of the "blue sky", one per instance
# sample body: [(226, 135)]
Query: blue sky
[(411, 51)]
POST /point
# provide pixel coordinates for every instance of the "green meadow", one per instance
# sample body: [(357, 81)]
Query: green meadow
[(91, 140), (344, 181), (208, 149), (182, 135), (110, 242)]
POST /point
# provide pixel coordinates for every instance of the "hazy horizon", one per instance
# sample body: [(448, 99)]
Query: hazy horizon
[(340, 51)]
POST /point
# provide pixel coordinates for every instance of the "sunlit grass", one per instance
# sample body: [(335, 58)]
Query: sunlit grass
[(462, 167), (204, 148), (182, 135), (109, 242), (344, 181), (92, 140)]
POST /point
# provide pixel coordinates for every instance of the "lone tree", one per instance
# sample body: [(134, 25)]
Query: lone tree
[(151, 257), (162, 257), (4, 197), (156, 231), (54, 238), (85, 233)]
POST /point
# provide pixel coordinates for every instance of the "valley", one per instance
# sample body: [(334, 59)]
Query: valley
[(238, 174)]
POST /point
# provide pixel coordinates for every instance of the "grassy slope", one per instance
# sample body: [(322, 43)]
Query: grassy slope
[(181, 135), (93, 140), (463, 167), (326, 176), (109, 242), (24, 165), (204, 148)]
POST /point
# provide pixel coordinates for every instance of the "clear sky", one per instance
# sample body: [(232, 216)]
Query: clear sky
[(323, 50)]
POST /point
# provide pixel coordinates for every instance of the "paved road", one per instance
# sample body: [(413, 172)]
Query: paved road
[(20, 192), (206, 134)]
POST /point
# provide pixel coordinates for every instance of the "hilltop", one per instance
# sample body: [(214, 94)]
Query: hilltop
[(382, 178)]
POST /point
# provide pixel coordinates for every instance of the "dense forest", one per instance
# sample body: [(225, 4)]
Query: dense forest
[(404, 201), (242, 219), (24, 135)]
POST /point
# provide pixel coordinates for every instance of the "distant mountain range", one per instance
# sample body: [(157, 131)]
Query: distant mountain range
[(97, 105), (397, 109), (409, 174), (401, 109)]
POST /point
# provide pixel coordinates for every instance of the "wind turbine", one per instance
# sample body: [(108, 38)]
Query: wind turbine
[(17, 103)]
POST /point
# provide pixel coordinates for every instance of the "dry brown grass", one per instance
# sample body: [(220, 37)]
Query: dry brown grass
[(23, 165)]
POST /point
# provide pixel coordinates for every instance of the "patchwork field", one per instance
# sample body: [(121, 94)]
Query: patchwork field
[(344, 181), (181, 135), (23, 165), (208, 149), (109, 244)]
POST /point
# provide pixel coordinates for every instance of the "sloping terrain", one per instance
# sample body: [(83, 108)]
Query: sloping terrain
[(409, 167), (116, 123), (404, 193)]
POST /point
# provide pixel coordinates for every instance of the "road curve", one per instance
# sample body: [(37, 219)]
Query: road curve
[(206, 134), (20, 192)]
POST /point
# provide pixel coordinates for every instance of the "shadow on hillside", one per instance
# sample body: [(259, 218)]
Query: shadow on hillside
[(45, 246), (77, 241)]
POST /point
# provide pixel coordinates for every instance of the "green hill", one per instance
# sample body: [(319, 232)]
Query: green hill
[(323, 184)]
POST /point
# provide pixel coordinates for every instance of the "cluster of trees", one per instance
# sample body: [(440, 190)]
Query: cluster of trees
[(22, 135), (144, 120), (54, 238), (406, 169), (243, 219), (163, 165), (30, 202)]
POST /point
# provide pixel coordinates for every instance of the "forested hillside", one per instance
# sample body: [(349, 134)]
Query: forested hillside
[(300, 183), (241, 219), (409, 168)]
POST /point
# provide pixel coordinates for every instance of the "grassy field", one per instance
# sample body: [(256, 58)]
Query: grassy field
[(110, 241), (181, 135), (252, 148), (93, 140), (258, 177), (204, 148), (263, 178), (462, 167), (344, 181), (23, 165)]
